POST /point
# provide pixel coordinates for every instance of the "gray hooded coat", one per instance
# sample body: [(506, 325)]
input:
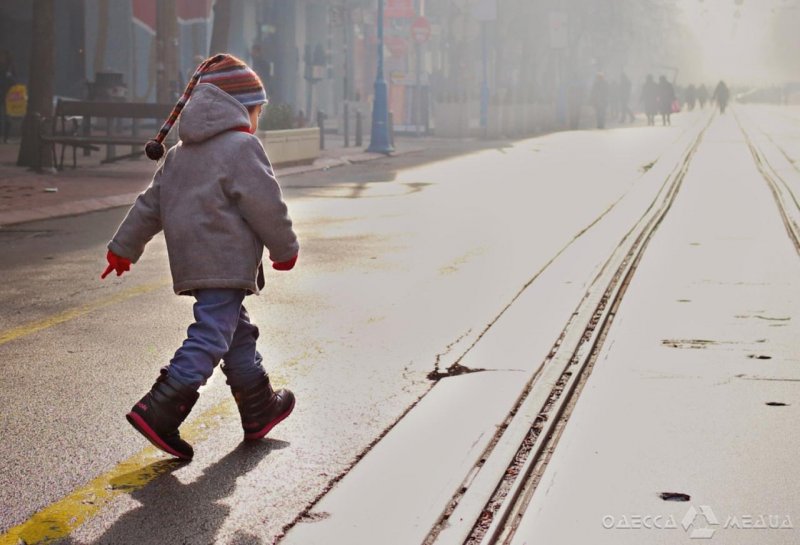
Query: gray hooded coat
[(216, 198)]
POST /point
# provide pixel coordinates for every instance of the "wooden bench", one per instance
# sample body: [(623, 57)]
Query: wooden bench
[(72, 126)]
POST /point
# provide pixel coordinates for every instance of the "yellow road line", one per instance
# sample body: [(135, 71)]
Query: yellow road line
[(60, 519), (34, 327)]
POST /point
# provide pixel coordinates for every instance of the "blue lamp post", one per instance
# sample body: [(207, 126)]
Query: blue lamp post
[(379, 141)]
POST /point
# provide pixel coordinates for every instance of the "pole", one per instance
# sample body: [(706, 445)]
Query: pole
[(40, 104), (321, 125), (346, 24), (484, 78), (418, 77), (359, 129), (346, 27), (379, 137), (309, 93), (346, 124)]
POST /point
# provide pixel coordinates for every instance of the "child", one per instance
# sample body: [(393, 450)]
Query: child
[(216, 198)]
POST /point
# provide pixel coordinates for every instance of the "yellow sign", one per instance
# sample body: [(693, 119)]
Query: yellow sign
[(17, 101)]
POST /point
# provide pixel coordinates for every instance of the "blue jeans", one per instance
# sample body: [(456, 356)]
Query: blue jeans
[(221, 331)]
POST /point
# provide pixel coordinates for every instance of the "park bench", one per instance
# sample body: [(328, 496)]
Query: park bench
[(88, 125)]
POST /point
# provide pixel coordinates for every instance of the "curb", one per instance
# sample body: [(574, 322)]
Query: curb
[(325, 164), (75, 208), (66, 209)]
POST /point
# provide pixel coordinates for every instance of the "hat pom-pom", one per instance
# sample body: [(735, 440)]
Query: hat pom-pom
[(154, 150)]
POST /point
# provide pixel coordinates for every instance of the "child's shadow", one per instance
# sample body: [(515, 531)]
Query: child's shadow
[(173, 512)]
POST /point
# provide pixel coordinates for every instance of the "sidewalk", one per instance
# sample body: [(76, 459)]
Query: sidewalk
[(29, 196)]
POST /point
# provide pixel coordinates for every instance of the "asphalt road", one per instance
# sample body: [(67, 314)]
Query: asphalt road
[(404, 263)]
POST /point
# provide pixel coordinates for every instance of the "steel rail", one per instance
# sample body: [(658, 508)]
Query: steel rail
[(785, 198), (547, 401)]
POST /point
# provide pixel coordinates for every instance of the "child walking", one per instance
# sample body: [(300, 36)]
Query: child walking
[(216, 198)]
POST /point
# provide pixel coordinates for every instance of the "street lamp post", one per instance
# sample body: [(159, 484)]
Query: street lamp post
[(379, 141), (485, 11), (417, 74), (484, 120)]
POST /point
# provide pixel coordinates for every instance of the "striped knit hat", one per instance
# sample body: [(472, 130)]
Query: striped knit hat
[(225, 71)]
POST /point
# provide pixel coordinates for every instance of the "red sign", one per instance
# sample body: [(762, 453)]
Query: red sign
[(193, 11), (421, 30), (399, 9), (189, 11), (396, 45)]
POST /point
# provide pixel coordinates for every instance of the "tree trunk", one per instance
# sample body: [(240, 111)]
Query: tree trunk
[(101, 45), (167, 86), (40, 92), (222, 26)]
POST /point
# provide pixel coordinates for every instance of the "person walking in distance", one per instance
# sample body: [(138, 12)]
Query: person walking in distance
[(650, 99), (216, 199), (575, 98), (702, 96), (666, 96), (691, 97), (599, 97), (625, 112), (721, 95)]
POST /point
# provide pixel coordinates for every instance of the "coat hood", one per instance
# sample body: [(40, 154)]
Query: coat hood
[(209, 112)]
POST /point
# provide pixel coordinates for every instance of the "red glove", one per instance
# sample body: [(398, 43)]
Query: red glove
[(116, 263), (285, 265)]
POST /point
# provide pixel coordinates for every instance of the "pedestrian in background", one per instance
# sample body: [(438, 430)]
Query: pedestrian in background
[(575, 98), (613, 99), (721, 95), (691, 97), (216, 198), (666, 98), (702, 96), (599, 98), (625, 112), (650, 99)]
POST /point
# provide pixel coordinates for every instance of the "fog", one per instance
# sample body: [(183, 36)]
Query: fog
[(747, 42), (321, 57)]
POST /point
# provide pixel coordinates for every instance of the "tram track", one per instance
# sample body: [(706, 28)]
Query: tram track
[(785, 198), (487, 508), (496, 455)]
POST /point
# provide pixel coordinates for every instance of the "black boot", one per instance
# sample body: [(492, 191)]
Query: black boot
[(160, 412), (260, 407)]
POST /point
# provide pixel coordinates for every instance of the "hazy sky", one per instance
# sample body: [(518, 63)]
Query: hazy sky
[(734, 36)]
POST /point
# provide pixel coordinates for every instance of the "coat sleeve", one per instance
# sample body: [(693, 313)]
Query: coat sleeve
[(258, 196), (142, 223)]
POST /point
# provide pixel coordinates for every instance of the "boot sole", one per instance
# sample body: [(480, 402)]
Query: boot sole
[(254, 436), (141, 426)]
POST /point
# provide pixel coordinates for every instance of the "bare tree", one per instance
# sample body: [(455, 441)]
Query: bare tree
[(222, 25), (40, 92)]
